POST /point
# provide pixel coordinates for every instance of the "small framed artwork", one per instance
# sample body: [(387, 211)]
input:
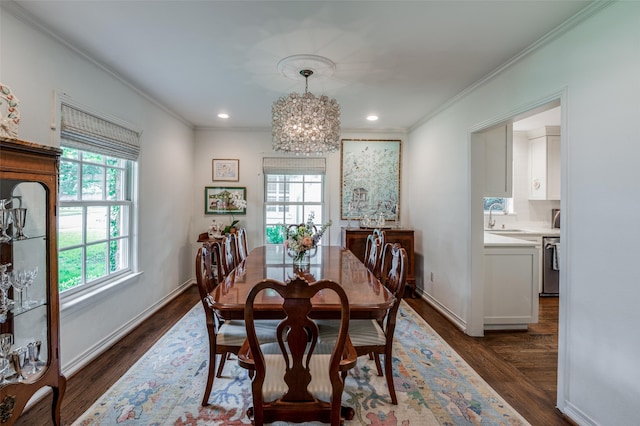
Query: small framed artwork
[(225, 200), (226, 170)]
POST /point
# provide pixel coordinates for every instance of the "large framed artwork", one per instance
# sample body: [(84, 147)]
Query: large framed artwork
[(225, 200), (370, 171)]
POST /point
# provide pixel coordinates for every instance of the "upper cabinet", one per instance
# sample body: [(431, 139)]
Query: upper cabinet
[(544, 163), (498, 161)]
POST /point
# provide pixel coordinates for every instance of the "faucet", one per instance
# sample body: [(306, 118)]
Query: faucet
[(492, 223)]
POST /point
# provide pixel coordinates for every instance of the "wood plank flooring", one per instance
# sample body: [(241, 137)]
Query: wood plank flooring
[(520, 366)]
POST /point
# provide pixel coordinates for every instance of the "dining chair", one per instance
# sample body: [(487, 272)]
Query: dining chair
[(373, 254), (225, 337), (242, 250), (297, 378), (375, 337), (229, 252)]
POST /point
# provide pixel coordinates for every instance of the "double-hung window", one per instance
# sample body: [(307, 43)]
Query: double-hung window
[(293, 189), (96, 200)]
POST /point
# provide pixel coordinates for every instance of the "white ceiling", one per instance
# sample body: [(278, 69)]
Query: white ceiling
[(399, 60)]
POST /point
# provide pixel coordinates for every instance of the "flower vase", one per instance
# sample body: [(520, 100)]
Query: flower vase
[(302, 260)]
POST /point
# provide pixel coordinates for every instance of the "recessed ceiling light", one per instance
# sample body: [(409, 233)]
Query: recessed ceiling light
[(223, 115), (372, 117)]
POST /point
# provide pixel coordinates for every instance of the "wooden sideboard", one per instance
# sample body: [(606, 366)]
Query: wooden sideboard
[(355, 239)]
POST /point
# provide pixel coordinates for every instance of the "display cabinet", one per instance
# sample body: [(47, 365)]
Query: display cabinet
[(29, 304)]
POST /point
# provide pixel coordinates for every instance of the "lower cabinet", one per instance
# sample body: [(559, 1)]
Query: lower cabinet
[(355, 240), (510, 287)]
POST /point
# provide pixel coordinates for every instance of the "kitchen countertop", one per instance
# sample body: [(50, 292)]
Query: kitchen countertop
[(527, 230), (494, 240)]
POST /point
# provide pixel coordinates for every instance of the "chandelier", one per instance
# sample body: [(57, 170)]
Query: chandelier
[(306, 124)]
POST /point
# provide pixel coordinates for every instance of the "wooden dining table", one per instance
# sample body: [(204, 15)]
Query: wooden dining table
[(368, 298)]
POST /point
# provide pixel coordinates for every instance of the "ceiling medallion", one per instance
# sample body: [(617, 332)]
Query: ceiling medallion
[(306, 124)]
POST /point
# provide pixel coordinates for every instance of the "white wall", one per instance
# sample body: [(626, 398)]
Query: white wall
[(250, 146), (34, 65), (596, 66)]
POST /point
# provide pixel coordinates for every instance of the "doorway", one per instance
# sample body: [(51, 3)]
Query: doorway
[(547, 112)]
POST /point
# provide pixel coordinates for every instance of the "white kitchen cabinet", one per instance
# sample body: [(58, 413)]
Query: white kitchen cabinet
[(544, 163), (510, 284), (498, 161)]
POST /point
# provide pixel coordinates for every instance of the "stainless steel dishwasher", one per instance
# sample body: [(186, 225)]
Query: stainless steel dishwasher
[(550, 266)]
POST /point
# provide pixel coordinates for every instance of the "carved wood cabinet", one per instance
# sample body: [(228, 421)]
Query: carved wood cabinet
[(355, 240), (29, 303)]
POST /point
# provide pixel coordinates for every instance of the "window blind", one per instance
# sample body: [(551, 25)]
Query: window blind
[(86, 131), (293, 166)]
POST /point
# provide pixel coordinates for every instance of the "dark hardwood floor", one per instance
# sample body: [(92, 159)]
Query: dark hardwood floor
[(520, 366)]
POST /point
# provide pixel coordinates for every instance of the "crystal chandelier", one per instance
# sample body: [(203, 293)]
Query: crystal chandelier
[(305, 124)]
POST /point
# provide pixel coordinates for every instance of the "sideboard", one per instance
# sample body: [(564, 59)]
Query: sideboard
[(355, 239)]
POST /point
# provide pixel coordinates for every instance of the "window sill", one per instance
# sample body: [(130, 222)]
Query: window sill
[(84, 298)]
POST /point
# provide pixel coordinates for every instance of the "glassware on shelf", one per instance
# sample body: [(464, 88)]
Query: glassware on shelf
[(5, 220), (19, 217), (30, 277), (6, 340), (33, 350), (5, 285), (19, 282)]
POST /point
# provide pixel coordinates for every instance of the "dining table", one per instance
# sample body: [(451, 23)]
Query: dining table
[(368, 297)]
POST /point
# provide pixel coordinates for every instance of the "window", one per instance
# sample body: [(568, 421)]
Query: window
[(294, 187), (96, 208), (504, 205)]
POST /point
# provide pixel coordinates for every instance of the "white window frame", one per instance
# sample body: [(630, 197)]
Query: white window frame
[(292, 167), (87, 291)]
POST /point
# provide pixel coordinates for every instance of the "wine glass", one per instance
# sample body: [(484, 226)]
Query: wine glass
[(19, 280), (34, 354), (30, 276), (5, 219), (19, 217)]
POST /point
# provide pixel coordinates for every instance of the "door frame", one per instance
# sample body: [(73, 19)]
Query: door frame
[(475, 307)]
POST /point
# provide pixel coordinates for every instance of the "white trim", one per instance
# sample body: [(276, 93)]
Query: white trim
[(450, 315)]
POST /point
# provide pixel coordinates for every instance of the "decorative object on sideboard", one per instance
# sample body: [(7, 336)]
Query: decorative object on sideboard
[(305, 124), (9, 114)]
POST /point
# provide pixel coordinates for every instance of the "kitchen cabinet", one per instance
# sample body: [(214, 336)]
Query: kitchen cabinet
[(355, 240), (544, 163), (29, 304), (511, 276), (498, 161)]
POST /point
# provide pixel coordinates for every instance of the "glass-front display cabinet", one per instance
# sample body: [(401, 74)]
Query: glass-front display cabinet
[(29, 303)]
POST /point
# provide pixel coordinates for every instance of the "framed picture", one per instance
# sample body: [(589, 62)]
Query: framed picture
[(224, 200), (370, 185), (226, 170)]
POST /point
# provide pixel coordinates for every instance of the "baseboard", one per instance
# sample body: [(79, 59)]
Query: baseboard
[(577, 416), (451, 316), (76, 364)]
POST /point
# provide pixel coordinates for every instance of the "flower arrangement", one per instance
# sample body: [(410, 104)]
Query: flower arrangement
[(302, 238)]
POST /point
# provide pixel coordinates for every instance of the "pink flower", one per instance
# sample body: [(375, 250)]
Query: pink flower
[(307, 242)]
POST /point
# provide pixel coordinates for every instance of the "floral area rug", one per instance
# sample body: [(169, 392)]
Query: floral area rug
[(433, 384)]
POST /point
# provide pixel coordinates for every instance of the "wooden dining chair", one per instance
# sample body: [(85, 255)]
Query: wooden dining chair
[(229, 252), (242, 250), (225, 337), (297, 378), (373, 254), (375, 337)]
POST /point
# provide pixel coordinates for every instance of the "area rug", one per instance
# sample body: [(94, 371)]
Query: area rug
[(433, 384)]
